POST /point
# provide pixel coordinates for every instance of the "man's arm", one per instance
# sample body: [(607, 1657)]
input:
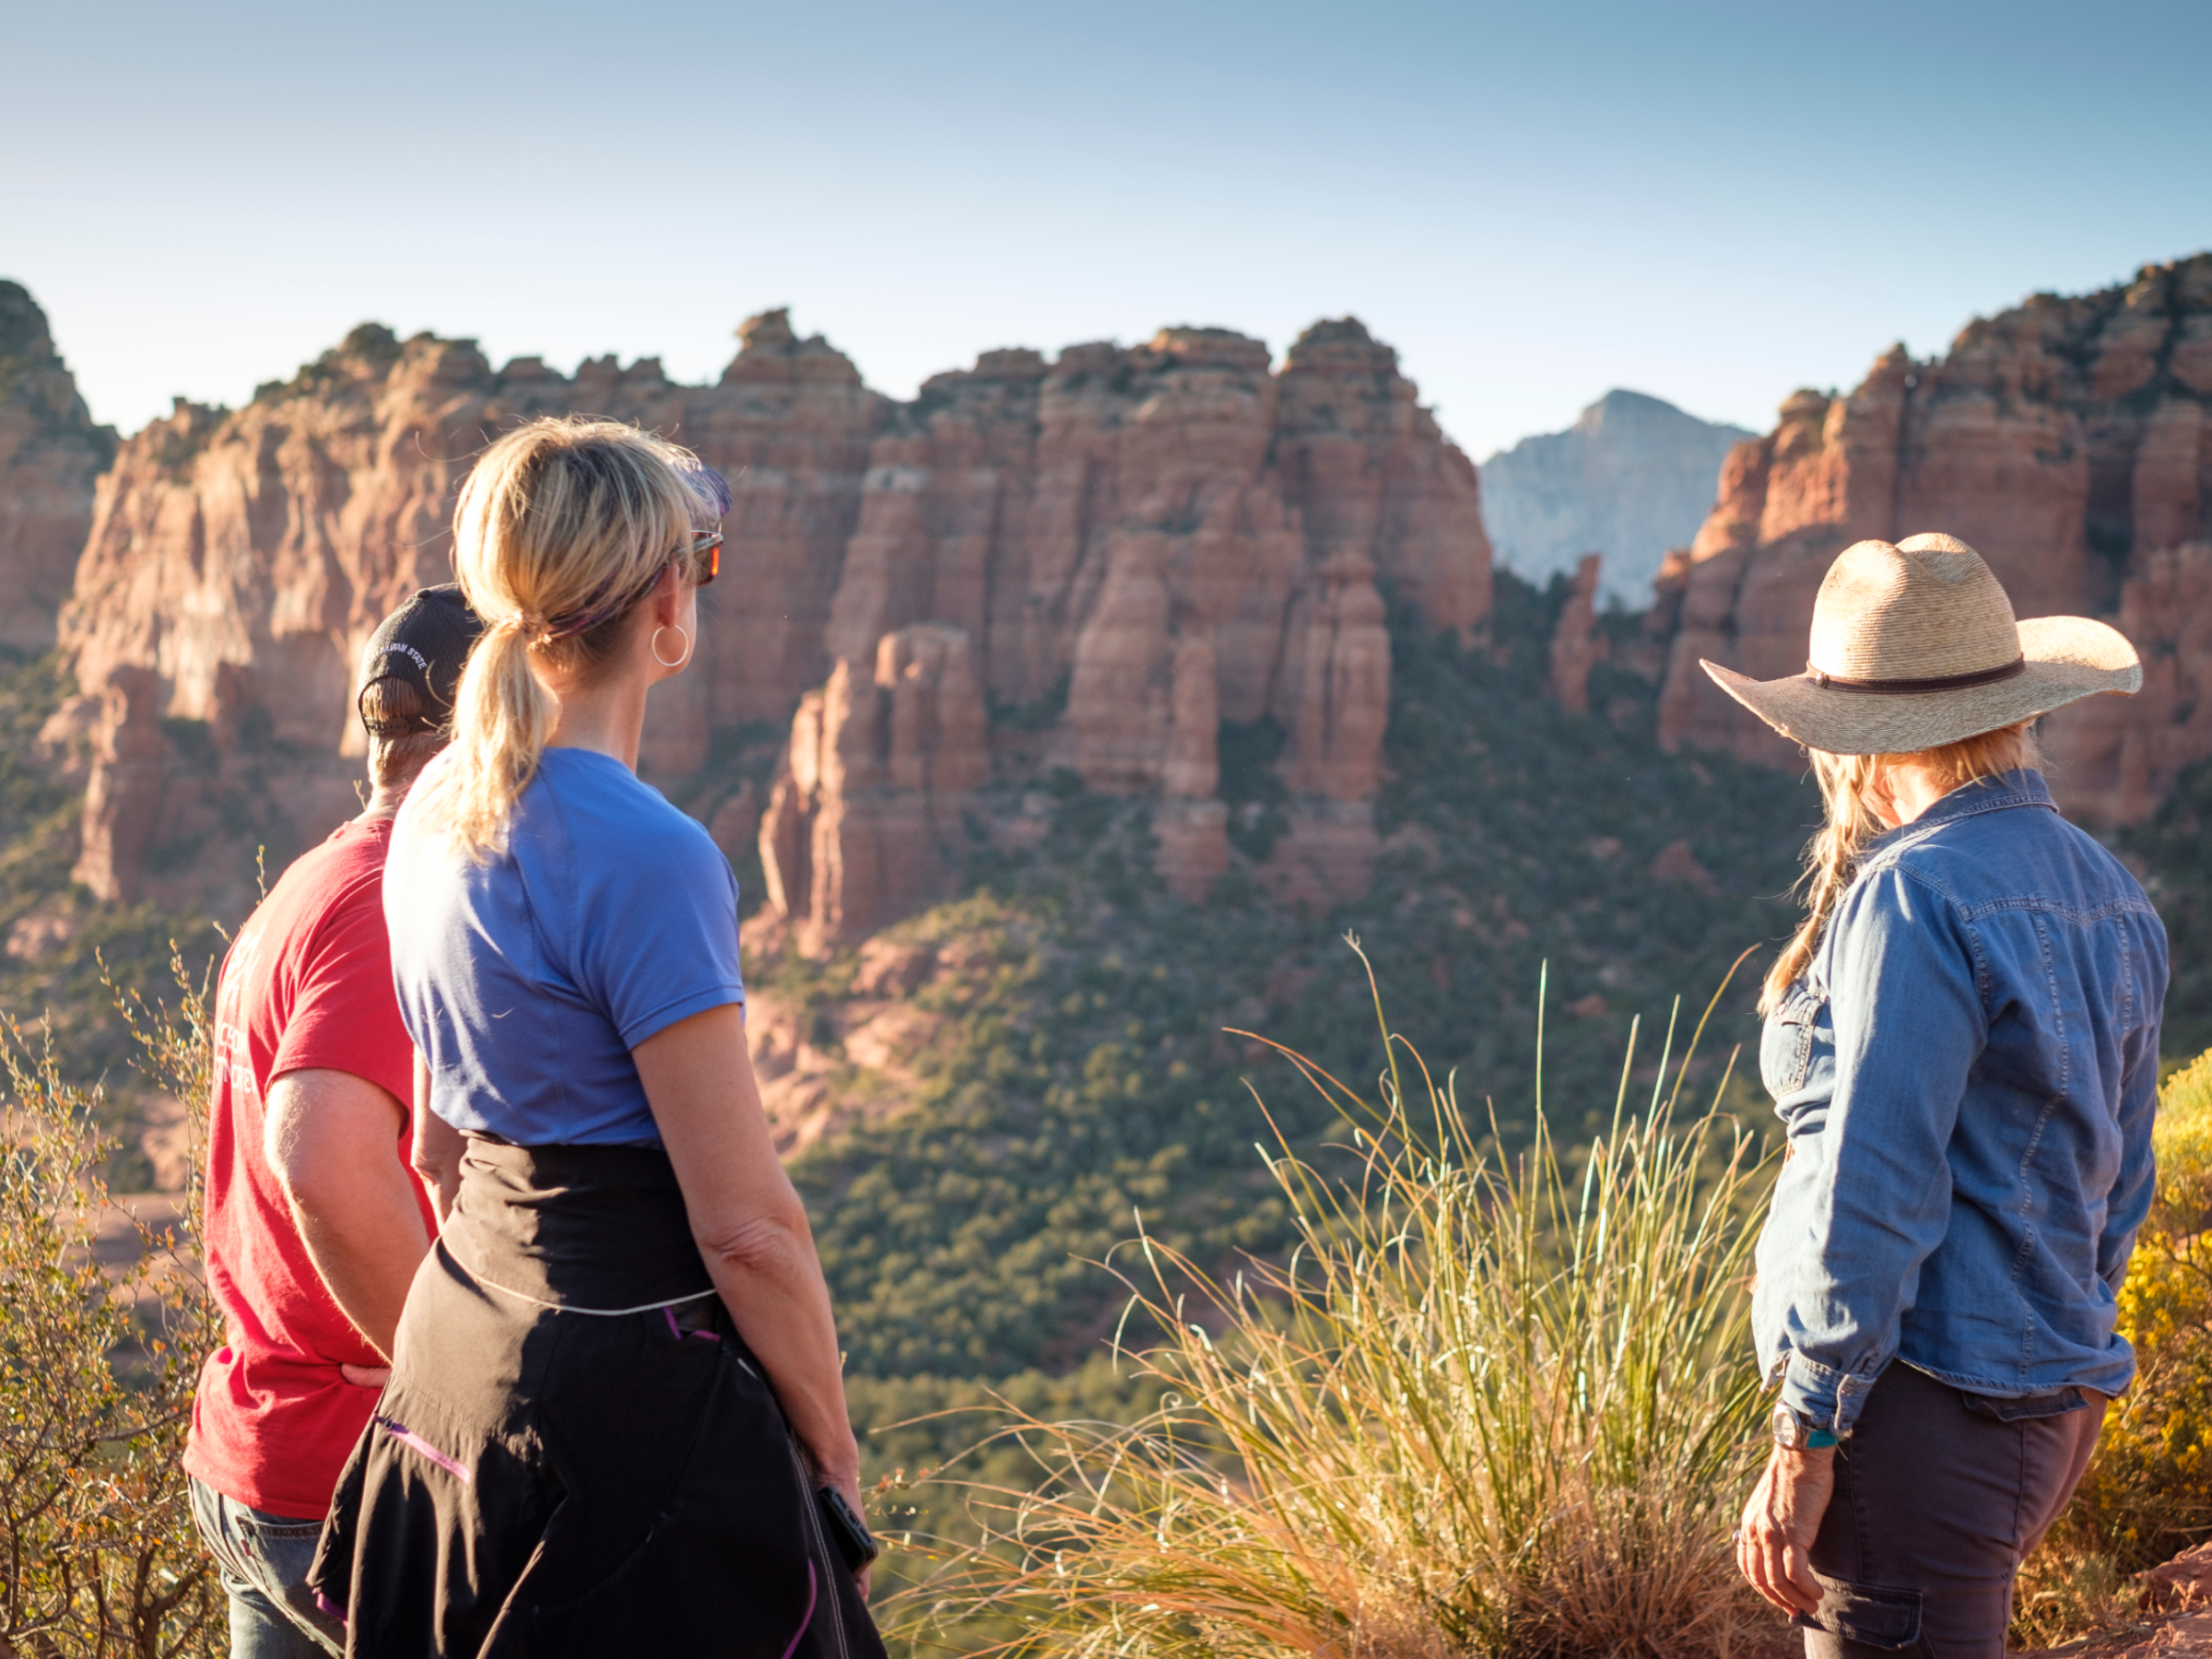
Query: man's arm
[(438, 1146), (332, 1140)]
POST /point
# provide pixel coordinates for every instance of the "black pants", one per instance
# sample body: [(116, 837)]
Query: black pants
[(1939, 1494)]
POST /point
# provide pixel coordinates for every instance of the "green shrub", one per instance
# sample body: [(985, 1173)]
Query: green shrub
[(2175, 854), (97, 1371), (1489, 1405), (956, 1230)]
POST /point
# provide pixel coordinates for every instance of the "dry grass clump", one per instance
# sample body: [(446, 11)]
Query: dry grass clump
[(1490, 1406), (98, 1555)]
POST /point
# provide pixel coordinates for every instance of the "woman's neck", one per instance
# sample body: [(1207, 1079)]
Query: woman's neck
[(607, 716), (603, 709), (1906, 790)]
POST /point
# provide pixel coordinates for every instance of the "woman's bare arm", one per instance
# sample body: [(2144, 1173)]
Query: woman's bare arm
[(750, 1225)]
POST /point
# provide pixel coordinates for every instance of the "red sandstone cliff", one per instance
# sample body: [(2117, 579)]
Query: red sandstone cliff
[(1158, 538), (236, 562), (1170, 536), (50, 454), (2068, 440)]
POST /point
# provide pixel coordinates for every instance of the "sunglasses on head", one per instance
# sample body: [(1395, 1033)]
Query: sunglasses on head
[(706, 556)]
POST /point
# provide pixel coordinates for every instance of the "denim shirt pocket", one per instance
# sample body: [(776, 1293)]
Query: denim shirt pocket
[(1785, 1043)]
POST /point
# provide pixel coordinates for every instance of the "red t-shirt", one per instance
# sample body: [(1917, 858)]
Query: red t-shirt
[(307, 986)]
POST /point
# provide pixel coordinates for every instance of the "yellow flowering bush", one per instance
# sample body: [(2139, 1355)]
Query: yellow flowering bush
[(2149, 1493)]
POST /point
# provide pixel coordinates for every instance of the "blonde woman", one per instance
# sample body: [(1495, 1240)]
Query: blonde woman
[(1963, 1042), (615, 1422)]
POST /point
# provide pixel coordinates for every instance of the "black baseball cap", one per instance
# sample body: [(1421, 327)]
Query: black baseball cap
[(425, 643)]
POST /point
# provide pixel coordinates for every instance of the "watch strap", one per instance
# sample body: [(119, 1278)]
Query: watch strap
[(1798, 1432)]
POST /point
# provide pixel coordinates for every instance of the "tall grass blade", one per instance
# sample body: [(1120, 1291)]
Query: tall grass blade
[(1489, 1405)]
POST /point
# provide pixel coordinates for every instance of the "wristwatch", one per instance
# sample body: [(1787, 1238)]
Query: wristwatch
[(1795, 1433)]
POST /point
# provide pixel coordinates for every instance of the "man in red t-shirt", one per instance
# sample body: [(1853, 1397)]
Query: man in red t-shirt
[(316, 1220)]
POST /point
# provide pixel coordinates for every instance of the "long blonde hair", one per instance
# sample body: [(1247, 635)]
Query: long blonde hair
[(562, 527), (1831, 858)]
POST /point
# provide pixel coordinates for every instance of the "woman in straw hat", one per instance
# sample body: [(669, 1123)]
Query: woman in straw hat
[(1962, 1041)]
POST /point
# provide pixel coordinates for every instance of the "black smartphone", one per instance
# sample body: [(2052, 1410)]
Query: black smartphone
[(854, 1539)]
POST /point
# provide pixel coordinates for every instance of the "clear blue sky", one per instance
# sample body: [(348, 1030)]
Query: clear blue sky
[(1711, 203)]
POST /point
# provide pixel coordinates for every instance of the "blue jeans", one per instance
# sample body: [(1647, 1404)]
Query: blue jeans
[(264, 1560)]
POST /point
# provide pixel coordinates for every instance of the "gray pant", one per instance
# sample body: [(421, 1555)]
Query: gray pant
[(1939, 1494), (262, 1559)]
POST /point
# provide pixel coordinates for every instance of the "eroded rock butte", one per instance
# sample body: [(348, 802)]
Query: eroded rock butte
[(1087, 563)]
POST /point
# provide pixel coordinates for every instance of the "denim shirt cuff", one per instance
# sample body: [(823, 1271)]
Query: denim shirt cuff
[(1824, 1396)]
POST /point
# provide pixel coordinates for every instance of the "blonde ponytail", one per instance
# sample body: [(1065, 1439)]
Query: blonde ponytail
[(1831, 860), (562, 527)]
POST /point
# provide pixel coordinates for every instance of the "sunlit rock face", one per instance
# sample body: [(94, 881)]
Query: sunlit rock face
[(1153, 540), (1125, 547), (2068, 440), (50, 455), (242, 558)]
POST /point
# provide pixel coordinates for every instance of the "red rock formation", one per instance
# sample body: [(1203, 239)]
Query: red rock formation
[(1334, 700), (865, 820), (2182, 1583), (1176, 538), (130, 775), (1575, 640), (1368, 469), (1158, 538), (243, 557), (1190, 826), (50, 454), (788, 425), (2067, 441)]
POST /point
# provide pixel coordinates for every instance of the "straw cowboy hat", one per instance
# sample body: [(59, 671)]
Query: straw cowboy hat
[(1914, 646)]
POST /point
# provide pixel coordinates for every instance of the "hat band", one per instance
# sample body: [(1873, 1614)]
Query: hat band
[(1908, 688)]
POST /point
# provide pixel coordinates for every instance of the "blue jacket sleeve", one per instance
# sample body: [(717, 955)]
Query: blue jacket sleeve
[(2130, 1200), (1909, 1026)]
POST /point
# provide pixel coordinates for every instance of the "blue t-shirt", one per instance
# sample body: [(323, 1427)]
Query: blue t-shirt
[(526, 980)]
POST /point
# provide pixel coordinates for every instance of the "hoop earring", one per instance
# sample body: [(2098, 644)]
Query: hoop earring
[(662, 660)]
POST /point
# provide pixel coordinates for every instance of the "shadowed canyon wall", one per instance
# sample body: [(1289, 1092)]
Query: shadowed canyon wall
[(50, 455), (1089, 562), (2070, 441)]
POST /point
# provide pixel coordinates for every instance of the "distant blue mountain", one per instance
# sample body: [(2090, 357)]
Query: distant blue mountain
[(1633, 477)]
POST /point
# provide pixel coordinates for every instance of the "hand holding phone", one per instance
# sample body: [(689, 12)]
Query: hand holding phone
[(854, 1539)]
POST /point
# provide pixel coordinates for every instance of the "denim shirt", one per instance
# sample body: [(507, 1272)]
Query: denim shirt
[(1966, 1072)]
